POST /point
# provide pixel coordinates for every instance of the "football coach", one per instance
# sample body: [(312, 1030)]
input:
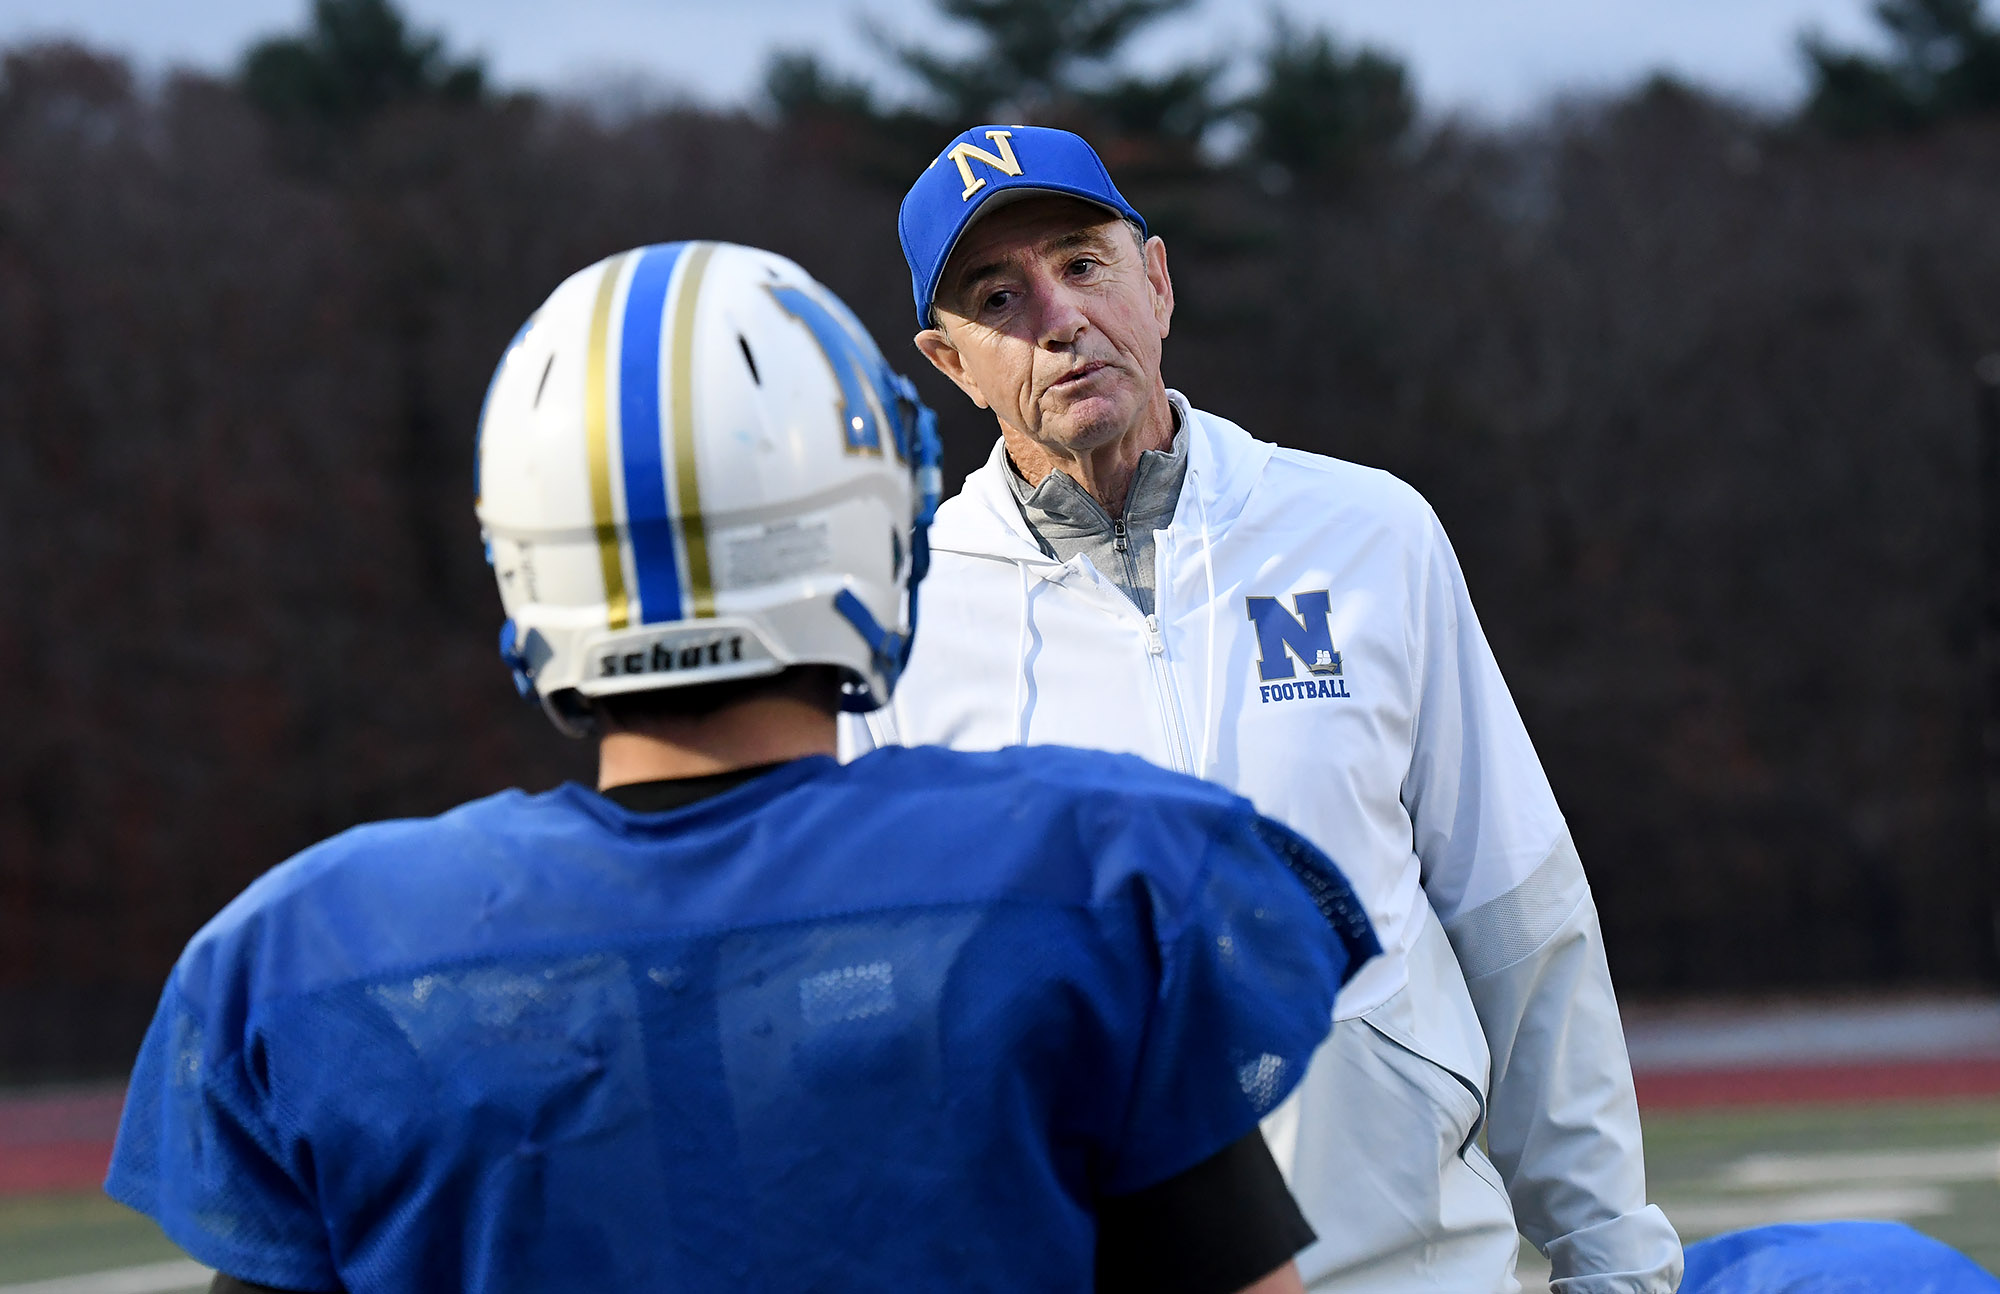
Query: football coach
[(1131, 573)]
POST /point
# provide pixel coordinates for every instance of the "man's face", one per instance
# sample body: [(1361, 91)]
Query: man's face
[(1051, 314)]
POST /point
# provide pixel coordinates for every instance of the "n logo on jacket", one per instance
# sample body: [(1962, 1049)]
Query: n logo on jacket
[(1284, 638)]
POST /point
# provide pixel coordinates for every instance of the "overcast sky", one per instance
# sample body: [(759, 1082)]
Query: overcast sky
[(1496, 58)]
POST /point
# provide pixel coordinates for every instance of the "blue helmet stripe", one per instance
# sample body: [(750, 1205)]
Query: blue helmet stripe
[(649, 522), (854, 363)]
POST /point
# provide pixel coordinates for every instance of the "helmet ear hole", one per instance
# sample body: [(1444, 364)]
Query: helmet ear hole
[(748, 358), (570, 713)]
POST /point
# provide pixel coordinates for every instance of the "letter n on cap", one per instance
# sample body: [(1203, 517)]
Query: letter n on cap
[(965, 153)]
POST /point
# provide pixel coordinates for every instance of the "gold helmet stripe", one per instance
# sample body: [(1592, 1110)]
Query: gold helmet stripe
[(596, 439)]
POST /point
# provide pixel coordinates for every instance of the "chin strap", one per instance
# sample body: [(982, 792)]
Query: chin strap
[(516, 660), (889, 652), (566, 710)]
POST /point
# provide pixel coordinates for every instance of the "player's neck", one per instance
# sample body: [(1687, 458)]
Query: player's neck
[(758, 730), (1106, 471)]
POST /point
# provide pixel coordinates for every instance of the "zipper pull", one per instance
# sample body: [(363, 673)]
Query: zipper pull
[(1155, 644), (1118, 534)]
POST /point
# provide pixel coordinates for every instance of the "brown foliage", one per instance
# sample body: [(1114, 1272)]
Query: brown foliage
[(1690, 392)]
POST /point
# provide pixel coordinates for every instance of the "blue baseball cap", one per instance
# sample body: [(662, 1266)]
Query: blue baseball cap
[(988, 163)]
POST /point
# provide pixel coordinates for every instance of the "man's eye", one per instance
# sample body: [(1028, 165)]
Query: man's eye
[(998, 300), (1083, 265)]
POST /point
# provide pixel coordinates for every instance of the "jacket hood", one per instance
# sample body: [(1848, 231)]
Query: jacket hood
[(984, 520)]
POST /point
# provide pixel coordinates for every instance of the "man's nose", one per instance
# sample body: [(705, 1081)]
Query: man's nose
[(1062, 317)]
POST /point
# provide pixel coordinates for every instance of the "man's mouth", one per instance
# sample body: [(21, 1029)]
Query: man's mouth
[(1079, 373)]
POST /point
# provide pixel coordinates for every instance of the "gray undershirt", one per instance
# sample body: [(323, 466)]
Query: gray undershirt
[(1066, 521)]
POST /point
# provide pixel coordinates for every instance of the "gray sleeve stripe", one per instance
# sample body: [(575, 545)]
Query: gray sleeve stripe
[(1504, 930)]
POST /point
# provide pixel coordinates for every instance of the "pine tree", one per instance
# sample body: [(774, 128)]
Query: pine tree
[(1323, 112), (1944, 62), (1036, 59), (799, 85), (355, 58), (1038, 62)]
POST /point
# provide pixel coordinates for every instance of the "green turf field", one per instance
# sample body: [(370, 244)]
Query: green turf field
[(1936, 1166), (44, 1236)]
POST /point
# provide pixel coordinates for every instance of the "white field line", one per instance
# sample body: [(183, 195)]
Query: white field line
[(1706, 1217), (1533, 1271), (1956, 1164), (153, 1278)]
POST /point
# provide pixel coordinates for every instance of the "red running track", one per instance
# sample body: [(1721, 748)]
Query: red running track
[(57, 1141), (1922, 1080)]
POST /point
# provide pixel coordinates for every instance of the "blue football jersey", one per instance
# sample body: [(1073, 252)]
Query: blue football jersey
[(897, 1023), (1859, 1257)]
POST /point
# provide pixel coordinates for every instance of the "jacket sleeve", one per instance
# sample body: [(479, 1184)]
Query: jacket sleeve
[(1563, 1126), (1499, 868)]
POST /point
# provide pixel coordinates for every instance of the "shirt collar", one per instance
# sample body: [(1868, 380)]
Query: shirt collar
[(1061, 507)]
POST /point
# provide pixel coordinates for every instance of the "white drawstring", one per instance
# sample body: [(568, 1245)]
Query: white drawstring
[(1021, 667), (1208, 656)]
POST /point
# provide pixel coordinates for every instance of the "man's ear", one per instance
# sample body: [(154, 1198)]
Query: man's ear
[(944, 357), (1163, 283)]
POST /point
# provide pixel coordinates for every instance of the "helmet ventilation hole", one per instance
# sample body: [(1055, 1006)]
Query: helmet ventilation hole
[(749, 359), (544, 383)]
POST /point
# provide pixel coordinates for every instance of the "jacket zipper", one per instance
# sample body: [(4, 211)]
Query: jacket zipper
[(1169, 701), (1156, 656), (1163, 672), (1164, 695), (1121, 542)]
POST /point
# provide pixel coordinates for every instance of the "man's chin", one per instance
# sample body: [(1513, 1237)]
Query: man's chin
[(1089, 424)]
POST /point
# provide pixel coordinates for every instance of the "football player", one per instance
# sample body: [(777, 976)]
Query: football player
[(740, 1017)]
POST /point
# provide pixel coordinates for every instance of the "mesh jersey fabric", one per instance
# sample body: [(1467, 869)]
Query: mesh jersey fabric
[(842, 1028), (1860, 1257)]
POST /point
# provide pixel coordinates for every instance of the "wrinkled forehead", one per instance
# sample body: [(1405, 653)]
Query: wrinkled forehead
[(1034, 223)]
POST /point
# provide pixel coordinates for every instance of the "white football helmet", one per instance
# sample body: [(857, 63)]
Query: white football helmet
[(694, 465)]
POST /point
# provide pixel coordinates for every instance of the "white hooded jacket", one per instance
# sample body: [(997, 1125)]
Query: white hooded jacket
[(1314, 649)]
